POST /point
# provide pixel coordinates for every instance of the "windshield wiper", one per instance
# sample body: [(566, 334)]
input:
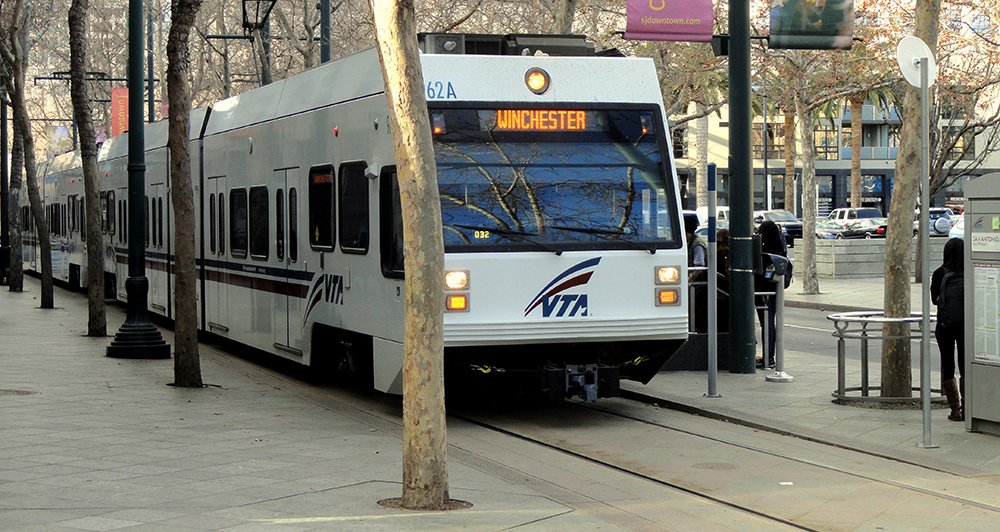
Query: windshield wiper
[(520, 235), (608, 234)]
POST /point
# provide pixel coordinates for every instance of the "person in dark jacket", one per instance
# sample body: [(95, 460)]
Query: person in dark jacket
[(770, 242), (947, 286)]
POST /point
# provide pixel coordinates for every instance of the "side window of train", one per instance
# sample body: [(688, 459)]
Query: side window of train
[(279, 223), (104, 212), (321, 208), (353, 208), (211, 223), (124, 228), (152, 228), (259, 229), (83, 219), (293, 225), (159, 223), (391, 222), (238, 219), (121, 212), (111, 212), (222, 223), (147, 221), (71, 213)]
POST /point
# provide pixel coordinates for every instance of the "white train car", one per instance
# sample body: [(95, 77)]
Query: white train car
[(565, 251)]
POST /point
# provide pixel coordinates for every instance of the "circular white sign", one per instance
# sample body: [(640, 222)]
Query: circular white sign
[(909, 53)]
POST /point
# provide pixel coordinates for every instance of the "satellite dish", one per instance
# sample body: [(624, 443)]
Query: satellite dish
[(909, 52)]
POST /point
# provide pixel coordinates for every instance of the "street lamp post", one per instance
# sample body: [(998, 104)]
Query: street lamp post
[(137, 337)]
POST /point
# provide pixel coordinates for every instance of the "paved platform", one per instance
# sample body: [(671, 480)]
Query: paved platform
[(92, 443), (805, 408)]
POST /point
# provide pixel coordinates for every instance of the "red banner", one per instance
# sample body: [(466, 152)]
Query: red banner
[(669, 20), (119, 111)]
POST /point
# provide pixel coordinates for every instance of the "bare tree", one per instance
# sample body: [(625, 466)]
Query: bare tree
[(187, 367), (897, 378), (97, 324), (425, 468), (16, 223), (15, 51)]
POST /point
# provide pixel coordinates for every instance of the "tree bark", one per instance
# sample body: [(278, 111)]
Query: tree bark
[(790, 162), (897, 379), (810, 280), (425, 471), (856, 137), (565, 11), (16, 56), (701, 140), (15, 277), (187, 366), (96, 316)]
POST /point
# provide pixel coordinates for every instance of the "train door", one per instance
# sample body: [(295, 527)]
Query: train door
[(158, 254), (117, 236), (216, 273), (292, 285)]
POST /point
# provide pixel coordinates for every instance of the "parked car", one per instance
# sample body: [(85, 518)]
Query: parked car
[(827, 229), (719, 224), (787, 222), (958, 230), (844, 215), (937, 229), (865, 228), (721, 213)]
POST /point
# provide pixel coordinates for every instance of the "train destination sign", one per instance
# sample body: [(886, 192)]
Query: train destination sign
[(541, 120)]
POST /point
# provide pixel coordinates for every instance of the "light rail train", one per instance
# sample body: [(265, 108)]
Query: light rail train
[(565, 251)]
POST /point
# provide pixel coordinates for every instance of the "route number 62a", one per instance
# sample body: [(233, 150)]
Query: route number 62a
[(440, 90)]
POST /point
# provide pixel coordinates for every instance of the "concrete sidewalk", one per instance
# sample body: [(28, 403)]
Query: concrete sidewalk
[(805, 408)]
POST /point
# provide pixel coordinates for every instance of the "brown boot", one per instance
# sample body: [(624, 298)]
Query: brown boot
[(950, 389)]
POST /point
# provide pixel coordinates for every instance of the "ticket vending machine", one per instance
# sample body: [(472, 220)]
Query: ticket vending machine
[(982, 308)]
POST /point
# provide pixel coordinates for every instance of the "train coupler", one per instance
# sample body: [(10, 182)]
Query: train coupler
[(590, 381)]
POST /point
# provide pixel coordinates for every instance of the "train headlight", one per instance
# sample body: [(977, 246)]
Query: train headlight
[(537, 80), (667, 274), (667, 296), (457, 302), (456, 280)]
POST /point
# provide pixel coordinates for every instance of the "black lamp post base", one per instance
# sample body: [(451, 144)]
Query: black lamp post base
[(137, 337)]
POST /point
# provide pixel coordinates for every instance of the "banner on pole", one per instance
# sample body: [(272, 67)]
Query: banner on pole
[(669, 20), (119, 111), (811, 24)]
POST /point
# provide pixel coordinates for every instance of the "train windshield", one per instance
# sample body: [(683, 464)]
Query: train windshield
[(554, 179)]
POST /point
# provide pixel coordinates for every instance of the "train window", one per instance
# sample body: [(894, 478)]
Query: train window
[(222, 224), (259, 229), (152, 228), (83, 219), (279, 223), (147, 221), (120, 224), (353, 208), (391, 224), (104, 212), (159, 223), (321, 208), (111, 212), (64, 219), (71, 209), (293, 225), (211, 223), (238, 220), (25, 220), (124, 227)]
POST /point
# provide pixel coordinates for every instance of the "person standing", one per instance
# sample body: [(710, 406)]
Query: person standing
[(948, 293), (771, 243), (697, 253)]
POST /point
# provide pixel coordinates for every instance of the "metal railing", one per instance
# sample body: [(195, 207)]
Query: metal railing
[(860, 321)]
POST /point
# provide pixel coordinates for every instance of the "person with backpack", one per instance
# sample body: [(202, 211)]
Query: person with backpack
[(948, 293)]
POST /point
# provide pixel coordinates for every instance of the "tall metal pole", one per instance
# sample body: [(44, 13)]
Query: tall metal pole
[(137, 338), (713, 289), (925, 263), (324, 31), (741, 334)]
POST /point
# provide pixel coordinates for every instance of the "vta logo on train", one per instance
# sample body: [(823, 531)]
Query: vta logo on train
[(328, 288), (555, 303)]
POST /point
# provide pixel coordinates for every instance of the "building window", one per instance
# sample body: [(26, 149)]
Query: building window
[(775, 141), (826, 142), (965, 144), (678, 136)]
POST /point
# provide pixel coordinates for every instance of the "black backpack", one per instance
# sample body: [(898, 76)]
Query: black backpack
[(951, 300)]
